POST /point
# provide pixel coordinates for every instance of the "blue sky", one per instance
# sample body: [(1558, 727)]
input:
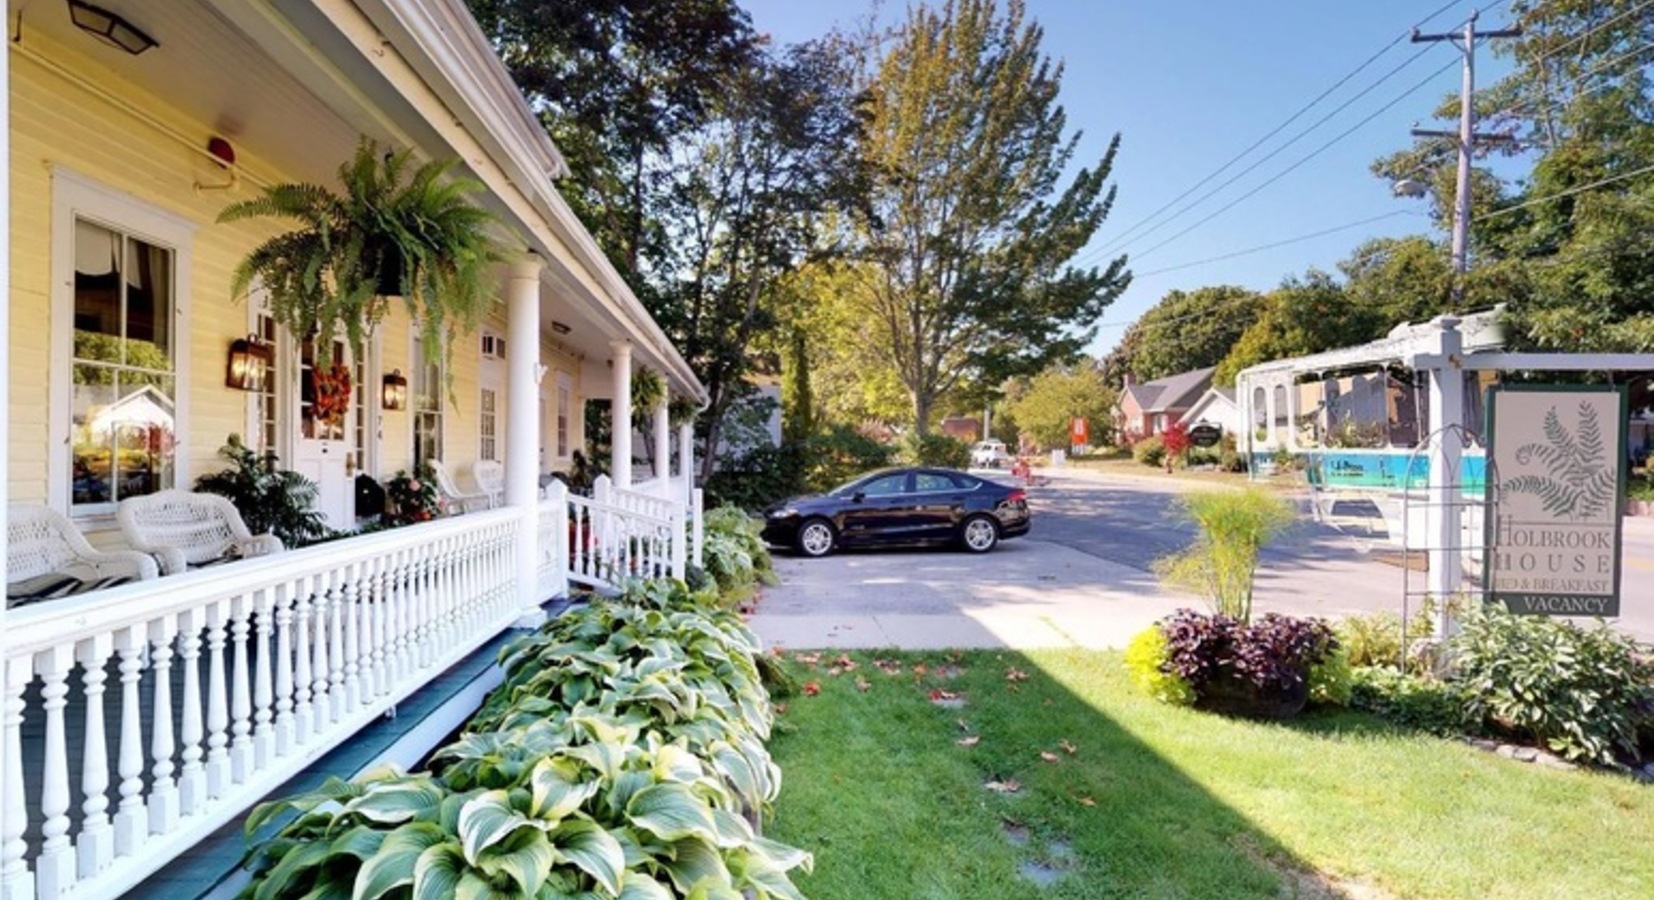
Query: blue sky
[(1191, 84)]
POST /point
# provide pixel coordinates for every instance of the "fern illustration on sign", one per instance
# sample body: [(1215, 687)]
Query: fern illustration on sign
[(1580, 480)]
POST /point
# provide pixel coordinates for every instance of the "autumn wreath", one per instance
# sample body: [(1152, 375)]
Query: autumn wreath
[(332, 394)]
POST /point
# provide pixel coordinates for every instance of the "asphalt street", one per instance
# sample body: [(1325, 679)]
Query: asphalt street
[(1083, 577)]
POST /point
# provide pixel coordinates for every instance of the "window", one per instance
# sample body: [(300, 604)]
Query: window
[(262, 434), (123, 366), (1280, 405), (565, 403), (933, 481), (427, 408), (887, 486), (487, 409)]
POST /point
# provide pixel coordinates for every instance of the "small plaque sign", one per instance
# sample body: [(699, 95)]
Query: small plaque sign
[(1205, 435)]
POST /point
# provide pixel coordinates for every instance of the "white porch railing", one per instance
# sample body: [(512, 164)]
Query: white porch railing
[(603, 540), (157, 711)]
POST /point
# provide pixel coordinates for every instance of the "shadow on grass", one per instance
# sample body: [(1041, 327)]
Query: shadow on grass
[(1027, 789)]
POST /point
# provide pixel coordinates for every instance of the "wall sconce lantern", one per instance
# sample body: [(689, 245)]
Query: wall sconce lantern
[(395, 392), (249, 359), (109, 27)]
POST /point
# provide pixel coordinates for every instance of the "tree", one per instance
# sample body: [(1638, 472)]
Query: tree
[(746, 201), (1185, 330), (618, 83), (1567, 245), (966, 235), (1053, 399), (1304, 315)]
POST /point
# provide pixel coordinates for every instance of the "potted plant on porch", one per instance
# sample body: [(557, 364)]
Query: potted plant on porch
[(395, 229)]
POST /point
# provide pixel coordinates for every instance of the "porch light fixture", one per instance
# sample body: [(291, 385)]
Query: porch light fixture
[(109, 27), (559, 327), (394, 394), (249, 359)]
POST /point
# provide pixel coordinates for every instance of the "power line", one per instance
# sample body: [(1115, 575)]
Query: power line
[(1278, 128), (1567, 193), (1311, 155), (1281, 243)]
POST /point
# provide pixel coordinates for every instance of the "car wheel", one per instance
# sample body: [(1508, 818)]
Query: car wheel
[(815, 538), (979, 534)]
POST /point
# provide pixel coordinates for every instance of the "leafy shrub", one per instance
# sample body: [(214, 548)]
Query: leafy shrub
[(1234, 527), (1175, 439), (756, 478), (1417, 702), (621, 757), (934, 450), (270, 500), (1271, 658), (1150, 451), (1331, 679), (1229, 456), (1146, 660), (841, 453), (1576, 690), (737, 560), (1203, 456), (1374, 639)]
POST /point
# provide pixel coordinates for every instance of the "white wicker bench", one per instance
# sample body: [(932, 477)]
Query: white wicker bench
[(458, 501), (47, 558), (184, 529), (490, 478)]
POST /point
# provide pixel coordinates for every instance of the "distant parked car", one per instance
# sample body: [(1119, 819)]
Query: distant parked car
[(989, 455), (901, 506)]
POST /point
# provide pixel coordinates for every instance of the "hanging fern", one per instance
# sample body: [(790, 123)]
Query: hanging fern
[(1578, 480), (419, 231)]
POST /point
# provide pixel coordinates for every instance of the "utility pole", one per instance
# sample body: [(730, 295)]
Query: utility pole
[(1466, 136)]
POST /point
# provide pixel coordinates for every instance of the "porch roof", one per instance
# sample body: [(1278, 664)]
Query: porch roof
[(1482, 332)]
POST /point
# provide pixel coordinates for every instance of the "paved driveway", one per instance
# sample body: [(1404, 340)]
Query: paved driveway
[(1081, 579)]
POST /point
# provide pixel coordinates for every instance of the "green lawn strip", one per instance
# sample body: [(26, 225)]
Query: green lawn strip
[(1185, 804)]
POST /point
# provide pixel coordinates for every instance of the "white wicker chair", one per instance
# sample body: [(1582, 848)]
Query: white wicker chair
[(183, 529), (47, 557), (458, 501), (490, 478)]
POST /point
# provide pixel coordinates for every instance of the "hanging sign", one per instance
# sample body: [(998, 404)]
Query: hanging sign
[(1206, 434), (1557, 468)]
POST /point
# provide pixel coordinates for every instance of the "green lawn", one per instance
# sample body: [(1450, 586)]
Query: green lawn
[(1155, 801)]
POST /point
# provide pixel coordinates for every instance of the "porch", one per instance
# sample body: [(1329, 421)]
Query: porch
[(141, 719)]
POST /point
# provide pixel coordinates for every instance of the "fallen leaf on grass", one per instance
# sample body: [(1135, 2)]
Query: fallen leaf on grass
[(1086, 801), (835, 671), (1068, 748), (862, 684), (808, 659), (1008, 786), (778, 651), (969, 741), (1048, 756), (920, 669), (780, 709), (888, 666), (845, 662), (962, 725), (1015, 674), (812, 688), (939, 694)]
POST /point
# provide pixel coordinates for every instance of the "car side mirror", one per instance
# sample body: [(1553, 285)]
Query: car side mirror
[(858, 496)]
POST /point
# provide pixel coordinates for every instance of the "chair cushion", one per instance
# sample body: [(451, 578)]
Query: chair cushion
[(55, 586)]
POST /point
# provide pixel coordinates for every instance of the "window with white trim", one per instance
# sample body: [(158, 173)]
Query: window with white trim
[(427, 388), (123, 366), (488, 424), (263, 434), (565, 406)]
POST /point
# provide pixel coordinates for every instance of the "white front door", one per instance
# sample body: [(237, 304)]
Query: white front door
[(325, 415)]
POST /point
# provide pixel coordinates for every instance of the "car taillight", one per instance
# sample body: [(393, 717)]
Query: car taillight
[(1017, 496)]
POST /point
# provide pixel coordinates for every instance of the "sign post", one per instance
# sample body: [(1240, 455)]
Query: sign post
[(1556, 464)]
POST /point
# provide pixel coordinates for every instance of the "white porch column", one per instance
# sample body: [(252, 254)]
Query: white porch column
[(15, 880), (663, 442), (522, 413), (686, 460), (1443, 522), (620, 442)]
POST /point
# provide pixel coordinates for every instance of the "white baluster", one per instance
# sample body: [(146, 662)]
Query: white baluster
[(241, 689), (320, 605), (335, 647), (425, 603), (288, 626), (381, 634), (264, 733), (55, 867), (95, 844), (16, 881), (304, 724), (192, 775), (131, 817), (401, 619), (163, 790), (218, 701), (352, 600)]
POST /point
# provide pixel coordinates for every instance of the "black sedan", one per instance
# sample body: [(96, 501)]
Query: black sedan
[(901, 506)]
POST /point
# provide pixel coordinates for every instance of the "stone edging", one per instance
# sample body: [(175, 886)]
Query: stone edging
[(1520, 753)]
